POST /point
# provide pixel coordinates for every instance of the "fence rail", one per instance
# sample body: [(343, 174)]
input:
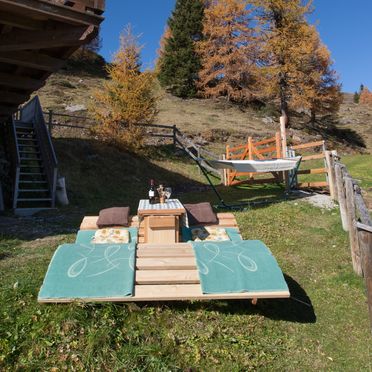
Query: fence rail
[(356, 220)]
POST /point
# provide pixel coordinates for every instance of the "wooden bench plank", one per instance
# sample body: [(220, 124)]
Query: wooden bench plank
[(167, 277), (166, 263), (193, 292), (159, 252)]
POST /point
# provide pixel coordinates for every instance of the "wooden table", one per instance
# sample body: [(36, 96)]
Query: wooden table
[(161, 222)]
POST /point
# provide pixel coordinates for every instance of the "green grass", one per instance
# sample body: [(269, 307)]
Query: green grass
[(323, 327)]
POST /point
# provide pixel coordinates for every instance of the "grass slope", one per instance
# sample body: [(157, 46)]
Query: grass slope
[(217, 121), (304, 333)]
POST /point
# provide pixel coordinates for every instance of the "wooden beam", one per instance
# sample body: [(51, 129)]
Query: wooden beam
[(11, 97), (312, 171), (174, 292), (20, 82), (308, 145), (32, 60), (312, 157), (15, 20), (52, 11), (312, 184), (21, 40)]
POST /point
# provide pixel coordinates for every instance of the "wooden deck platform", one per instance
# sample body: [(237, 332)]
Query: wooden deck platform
[(169, 273)]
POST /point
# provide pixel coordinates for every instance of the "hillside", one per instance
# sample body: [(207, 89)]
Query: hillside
[(215, 122)]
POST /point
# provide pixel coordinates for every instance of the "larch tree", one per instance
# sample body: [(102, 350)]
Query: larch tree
[(127, 97), (227, 51), (365, 96), (180, 63), (317, 88), (160, 52), (284, 47)]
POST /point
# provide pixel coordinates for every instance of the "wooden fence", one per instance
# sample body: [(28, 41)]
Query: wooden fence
[(356, 220), (268, 148), (272, 148), (310, 151)]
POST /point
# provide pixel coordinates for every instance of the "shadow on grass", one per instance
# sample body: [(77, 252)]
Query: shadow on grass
[(329, 128), (298, 308), (98, 176)]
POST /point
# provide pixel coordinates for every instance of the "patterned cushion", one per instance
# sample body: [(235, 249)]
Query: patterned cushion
[(209, 233), (111, 236)]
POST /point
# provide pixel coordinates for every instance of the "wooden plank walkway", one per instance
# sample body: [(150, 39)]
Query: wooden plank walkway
[(168, 272)]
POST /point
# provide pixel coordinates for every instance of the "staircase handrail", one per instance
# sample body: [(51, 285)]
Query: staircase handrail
[(32, 112), (16, 160)]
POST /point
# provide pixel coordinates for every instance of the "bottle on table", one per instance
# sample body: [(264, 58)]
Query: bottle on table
[(152, 192)]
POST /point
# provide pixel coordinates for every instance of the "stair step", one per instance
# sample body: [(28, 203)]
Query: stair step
[(33, 200), (31, 174), (27, 145), (23, 125), (27, 139), (29, 152), (33, 190), (32, 182), (24, 130), (30, 159), (31, 166)]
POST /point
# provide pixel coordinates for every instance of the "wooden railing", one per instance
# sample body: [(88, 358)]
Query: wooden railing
[(269, 148), (32, 111), (12, 147), (356, 220), (309, 153)]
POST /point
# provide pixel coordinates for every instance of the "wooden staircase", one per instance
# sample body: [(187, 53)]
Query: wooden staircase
[(35, 173), (33, 188)]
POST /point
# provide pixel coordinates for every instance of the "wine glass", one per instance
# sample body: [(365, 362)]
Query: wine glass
[(167, 192)]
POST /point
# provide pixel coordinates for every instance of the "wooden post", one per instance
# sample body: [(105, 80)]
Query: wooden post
[(250, 153), (365, 239), (283, 137), (50, 122), (331, 174), (278, 147), (227, 170), (223, 181), (351, 221), (341, 195)]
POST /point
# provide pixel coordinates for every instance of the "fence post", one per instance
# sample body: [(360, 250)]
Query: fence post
[(50, 122), (277, 142), (331, 174), (283, 137), (365, 239), (227, 170), (341, 195), (250, 153), (351, 221)]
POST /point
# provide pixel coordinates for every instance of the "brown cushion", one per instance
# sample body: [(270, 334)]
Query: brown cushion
[(201, 213), (118, 216)]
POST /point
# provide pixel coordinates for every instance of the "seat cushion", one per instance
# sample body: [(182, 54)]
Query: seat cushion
[(117, 216), (200, 214)]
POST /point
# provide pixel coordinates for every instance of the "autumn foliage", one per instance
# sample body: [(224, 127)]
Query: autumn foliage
[(253, 50), (127, 97), (227, 52), (365, 96)]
